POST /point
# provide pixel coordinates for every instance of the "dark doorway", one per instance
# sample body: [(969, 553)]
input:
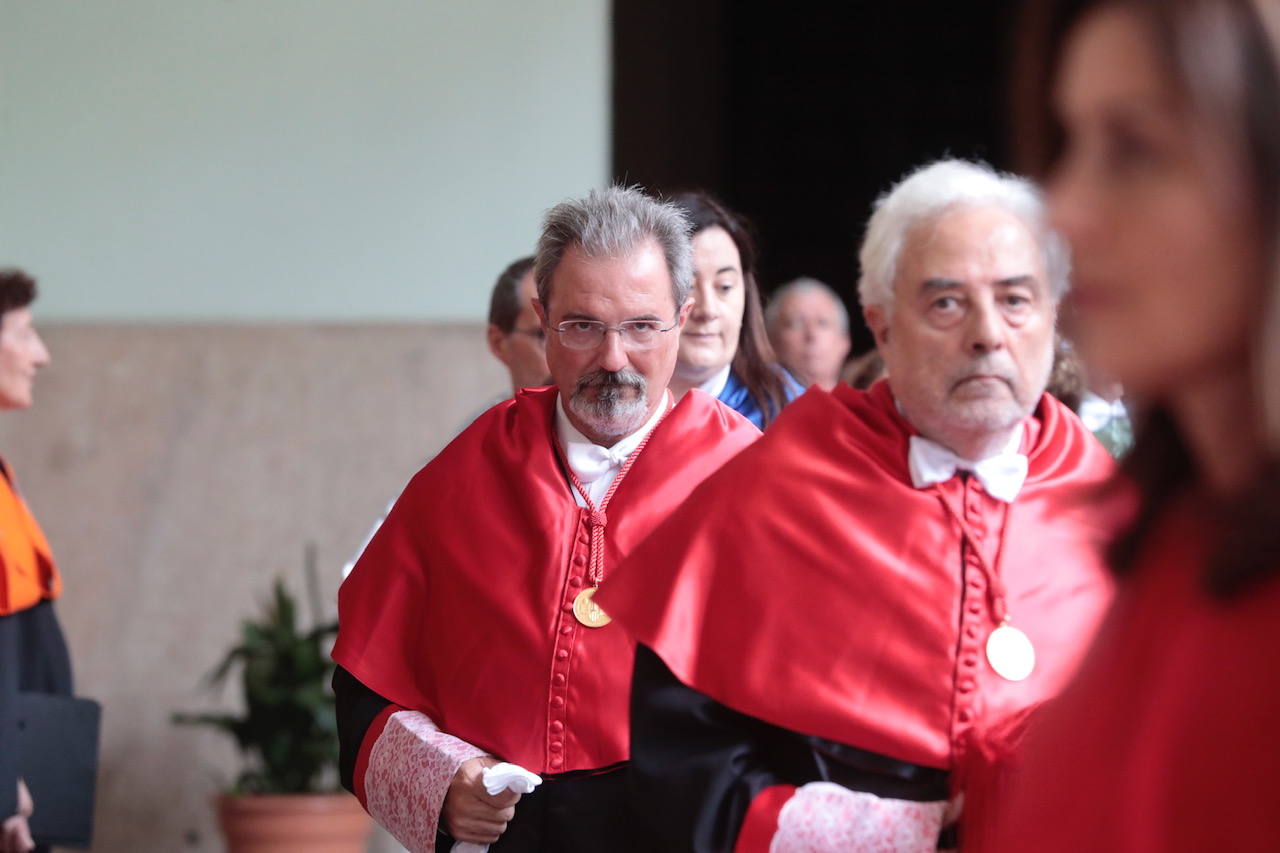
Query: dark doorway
[(800, 114)]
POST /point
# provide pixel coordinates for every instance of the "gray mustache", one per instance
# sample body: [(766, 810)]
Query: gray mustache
[(609, 383)]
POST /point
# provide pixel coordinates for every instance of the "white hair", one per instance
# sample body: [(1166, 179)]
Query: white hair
[(801, 285), (940, 187)]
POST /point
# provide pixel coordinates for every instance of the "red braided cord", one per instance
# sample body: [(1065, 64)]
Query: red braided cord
[(995, 583), (598, 519)]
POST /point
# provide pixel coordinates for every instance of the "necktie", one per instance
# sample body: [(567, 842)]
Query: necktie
[(1001, 475)]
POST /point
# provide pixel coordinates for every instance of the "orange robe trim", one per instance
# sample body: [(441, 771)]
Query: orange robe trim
[(461, 607), (28, 574)]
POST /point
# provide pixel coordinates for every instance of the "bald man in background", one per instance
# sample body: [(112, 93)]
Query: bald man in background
[(808, 326)]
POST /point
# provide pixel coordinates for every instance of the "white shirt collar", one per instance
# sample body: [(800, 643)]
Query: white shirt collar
[(716, 383), (1001, 474), (596, 466)]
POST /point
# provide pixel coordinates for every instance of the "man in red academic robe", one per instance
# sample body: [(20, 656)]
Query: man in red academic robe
[(468, 634), (833, 623)]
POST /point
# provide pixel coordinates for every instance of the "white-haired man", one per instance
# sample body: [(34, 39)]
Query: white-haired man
[(467, 631), (809, 329), (923, 563)]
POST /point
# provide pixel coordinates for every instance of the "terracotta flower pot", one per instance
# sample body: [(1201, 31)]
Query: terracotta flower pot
[(293, 823)]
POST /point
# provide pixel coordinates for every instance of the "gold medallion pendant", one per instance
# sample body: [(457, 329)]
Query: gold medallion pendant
[(587, 611), (1010, 653)]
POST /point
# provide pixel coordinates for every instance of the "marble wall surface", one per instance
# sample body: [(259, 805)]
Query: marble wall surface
[(177, 470)]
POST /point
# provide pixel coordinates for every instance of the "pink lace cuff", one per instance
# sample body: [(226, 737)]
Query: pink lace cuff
[(410, 768), (824, 817)]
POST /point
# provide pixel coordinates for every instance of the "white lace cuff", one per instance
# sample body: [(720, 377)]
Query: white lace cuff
[(410, 768), (823, 817)]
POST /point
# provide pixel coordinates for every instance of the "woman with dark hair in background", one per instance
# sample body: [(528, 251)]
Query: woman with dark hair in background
[(724, 349), (33, 654), (1157, 124)]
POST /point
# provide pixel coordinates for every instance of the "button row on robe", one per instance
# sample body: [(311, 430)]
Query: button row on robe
[(973, 615), (973, 501), (568, 635)]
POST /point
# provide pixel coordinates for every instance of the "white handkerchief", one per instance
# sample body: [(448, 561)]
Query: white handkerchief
[(510, 777), (499, 778)]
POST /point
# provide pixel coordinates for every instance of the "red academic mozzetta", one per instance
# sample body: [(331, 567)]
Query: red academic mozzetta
[(818, 617)]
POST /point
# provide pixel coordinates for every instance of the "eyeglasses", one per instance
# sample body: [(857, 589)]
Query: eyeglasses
[(589, 334)]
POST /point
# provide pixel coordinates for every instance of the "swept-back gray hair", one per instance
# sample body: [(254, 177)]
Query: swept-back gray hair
[(800, 285), (611, 223), (938, 188)]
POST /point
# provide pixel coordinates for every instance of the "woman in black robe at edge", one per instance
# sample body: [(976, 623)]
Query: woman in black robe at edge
[(33, 653)]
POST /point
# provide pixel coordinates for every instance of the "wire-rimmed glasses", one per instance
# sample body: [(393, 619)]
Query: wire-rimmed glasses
[(589, 334)]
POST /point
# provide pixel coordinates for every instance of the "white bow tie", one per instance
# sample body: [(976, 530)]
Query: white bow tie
[(591, 461), (1001, 475)]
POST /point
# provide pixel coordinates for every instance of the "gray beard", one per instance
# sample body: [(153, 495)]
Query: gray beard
[(611, 409)]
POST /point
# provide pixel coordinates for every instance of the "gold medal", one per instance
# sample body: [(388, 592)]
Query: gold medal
[(1010, 653), (587, 611)]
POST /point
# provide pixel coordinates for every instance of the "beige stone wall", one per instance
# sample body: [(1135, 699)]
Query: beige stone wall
[(177, 469)]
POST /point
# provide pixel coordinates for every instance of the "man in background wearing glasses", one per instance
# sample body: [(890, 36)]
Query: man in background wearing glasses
[(515, 335), (468, 634)]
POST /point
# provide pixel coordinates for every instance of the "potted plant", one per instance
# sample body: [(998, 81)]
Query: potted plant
[(287, 798)]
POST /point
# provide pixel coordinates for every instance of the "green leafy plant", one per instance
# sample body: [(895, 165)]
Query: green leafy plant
[(288, 733)]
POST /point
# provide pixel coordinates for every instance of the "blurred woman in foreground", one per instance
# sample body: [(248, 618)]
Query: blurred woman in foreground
[(1157, 128)]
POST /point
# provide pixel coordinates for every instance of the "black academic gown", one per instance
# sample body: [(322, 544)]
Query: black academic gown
[(697, 764)]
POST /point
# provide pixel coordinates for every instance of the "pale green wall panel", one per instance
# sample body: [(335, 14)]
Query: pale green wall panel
[(290, 159)]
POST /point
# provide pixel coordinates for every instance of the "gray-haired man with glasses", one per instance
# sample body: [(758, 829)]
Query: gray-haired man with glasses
[(469, 634)]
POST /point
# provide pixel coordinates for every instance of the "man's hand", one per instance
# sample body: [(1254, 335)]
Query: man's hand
[(469, 813), (15, 835)]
